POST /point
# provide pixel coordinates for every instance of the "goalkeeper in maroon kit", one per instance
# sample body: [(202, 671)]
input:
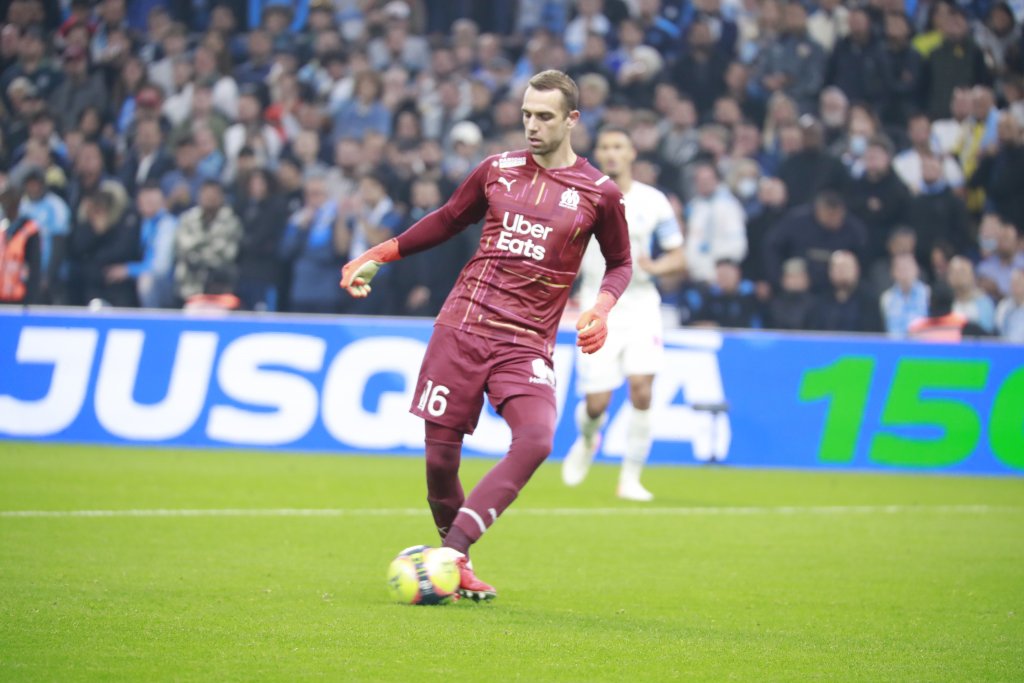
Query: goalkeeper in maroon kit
[(496, 331)]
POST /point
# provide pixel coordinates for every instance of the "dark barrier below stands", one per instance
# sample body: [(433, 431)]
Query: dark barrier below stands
[(344, 385)]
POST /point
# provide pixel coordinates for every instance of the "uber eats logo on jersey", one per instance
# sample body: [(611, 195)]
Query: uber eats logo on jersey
[(513, 225)]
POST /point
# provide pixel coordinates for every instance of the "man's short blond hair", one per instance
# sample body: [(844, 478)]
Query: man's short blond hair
[(552, 79)]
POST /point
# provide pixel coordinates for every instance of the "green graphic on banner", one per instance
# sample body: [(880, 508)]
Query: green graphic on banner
[(845, 384), (905, 406), (1006, 424)]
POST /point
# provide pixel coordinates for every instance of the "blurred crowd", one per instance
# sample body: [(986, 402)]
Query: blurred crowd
[(854, 166)]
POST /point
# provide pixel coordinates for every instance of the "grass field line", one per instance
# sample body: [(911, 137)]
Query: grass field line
[(694, 511)]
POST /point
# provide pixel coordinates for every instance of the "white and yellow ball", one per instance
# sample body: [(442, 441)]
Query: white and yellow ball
[(422, 575)]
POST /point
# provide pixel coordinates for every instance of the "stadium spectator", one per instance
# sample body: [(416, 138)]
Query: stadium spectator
[(20, 259), (813, 232), (700, 71), (807, 168), (951, 133), (878, 197), (30, 65), (107, 236), (828, 23), (968, 299), (201, 112), (861, 129), (877, 276), (729, 301), (908, 163), (206, 246), (146, 159), (943, 324), (78, 89), (956, 62), (264, 216), (998, 36), (737, 86), (260, 50), (897, 77), (316, 243), (1010, 311), (1001, 169), (715, 226), (833, 112), (795, 64), (995, 271), (251, 130), (853, 60), (590, 20), (424, 280), (396, 47), (847, 307), (907, 299), (53, 217), (790, 307), (181, 184), (224, 89), (364, 112), (152, 274), (658, 32), (937, 214)]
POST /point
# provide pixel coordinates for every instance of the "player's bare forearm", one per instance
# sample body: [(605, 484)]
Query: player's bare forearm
[(672, 262)]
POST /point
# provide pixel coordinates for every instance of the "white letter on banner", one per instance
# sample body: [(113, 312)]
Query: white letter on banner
[(116, 408), (294, 399), (345, 384), (71, 353)]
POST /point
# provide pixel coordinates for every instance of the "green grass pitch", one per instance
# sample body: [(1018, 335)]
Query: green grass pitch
[(732, 575)]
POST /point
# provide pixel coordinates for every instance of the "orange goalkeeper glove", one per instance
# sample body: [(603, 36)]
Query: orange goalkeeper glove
[(357, 273), (593, 324)]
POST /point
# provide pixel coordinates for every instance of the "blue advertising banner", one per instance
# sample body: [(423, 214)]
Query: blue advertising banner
[(344, 384)]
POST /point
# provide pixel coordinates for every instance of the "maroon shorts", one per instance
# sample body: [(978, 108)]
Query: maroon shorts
[(459, 367)]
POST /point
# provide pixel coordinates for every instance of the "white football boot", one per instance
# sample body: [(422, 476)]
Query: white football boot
[(577, 462), (632, 489)]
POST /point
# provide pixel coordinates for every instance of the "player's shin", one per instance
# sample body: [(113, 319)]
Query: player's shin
[(589, 427), (638, 447), (444, 490)]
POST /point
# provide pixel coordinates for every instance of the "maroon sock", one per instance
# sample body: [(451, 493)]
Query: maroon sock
[(533, 427), (444, 490), (457, 540)]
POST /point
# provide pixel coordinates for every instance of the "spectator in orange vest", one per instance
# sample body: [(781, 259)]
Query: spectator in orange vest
[(20, 254)]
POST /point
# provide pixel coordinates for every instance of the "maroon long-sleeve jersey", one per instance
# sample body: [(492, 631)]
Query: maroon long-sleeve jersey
[(537, 224)]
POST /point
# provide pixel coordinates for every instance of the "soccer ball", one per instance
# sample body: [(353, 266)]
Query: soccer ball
[(422, 575)]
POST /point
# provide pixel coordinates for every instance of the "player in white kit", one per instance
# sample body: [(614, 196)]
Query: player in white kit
[(633, 350)]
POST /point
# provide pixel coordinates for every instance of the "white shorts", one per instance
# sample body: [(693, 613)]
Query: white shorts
[(634, 347)]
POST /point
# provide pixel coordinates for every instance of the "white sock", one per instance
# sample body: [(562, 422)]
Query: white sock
[(588, 426), (638, 445)]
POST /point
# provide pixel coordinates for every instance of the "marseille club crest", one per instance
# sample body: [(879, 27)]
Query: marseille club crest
[(570, 199)]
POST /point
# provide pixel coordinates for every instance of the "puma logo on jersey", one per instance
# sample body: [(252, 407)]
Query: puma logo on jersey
[(506, 182), (542, 374), (515, 224)]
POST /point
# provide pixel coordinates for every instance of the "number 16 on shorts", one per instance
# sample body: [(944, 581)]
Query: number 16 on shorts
[(434, 399)]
